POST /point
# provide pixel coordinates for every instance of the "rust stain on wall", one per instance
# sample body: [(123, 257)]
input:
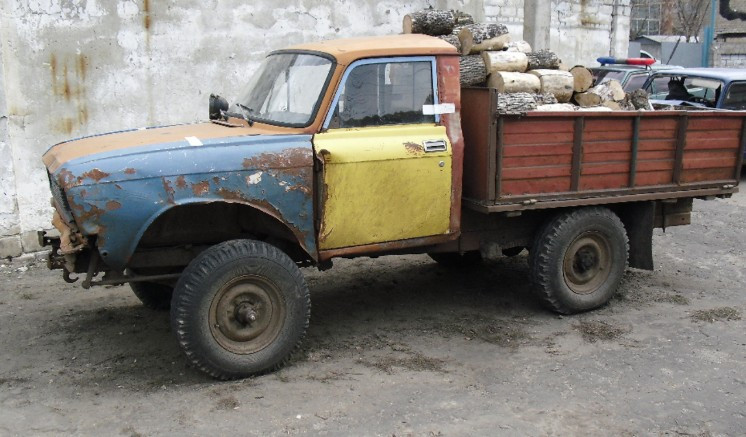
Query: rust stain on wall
[(68, 75)]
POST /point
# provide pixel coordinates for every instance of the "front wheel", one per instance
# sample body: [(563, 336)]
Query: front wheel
[(578, 259), (240, 308)]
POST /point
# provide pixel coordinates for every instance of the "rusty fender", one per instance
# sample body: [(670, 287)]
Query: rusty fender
[(117, 195)]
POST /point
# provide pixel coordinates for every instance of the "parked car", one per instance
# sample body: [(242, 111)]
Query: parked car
[(721, 88), (632, 77)]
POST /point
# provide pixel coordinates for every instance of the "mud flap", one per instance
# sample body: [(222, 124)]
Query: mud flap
[(638, 219)]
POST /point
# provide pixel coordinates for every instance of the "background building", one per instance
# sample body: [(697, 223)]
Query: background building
[(81, 67)]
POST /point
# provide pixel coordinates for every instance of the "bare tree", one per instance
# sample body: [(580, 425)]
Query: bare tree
[(691, 15)]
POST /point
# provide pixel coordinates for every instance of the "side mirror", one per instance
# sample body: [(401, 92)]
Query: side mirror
[(217, 106)]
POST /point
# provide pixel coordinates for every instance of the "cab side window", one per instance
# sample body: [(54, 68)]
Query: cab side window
[(384, 94)]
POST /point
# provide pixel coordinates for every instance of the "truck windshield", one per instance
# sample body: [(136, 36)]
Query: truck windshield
[(286, 89)]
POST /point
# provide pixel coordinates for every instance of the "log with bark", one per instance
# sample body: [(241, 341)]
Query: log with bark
[(515, 103), (462, 18), (545, 99), (509, 82), (430, 22), (543, 60), (556, 82), (505, 61), (476, 38), (557, 107), (586, 99), (452, 40), (610, 90), (518, 46), (640, 100), (583, 78), (473, 71)]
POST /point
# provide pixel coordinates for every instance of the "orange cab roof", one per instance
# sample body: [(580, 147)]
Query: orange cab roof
[(347, 50)]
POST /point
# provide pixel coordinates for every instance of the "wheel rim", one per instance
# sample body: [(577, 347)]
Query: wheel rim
[(247, 314), (587, 263)]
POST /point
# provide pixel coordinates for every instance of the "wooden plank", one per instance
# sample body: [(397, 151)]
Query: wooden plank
[(495, 142), (577, 154), (680, 144), (713, 124), (610, 124), (635, 150), (658, 145), (658, 134), (646, 155), (729, 163), (534, 138), (549, 124), (608, 135), (604, 157), (605, 146), (527, 161), (732, 135), (741, 150), (543, 150), (690, 155), (605, 168), (712, 143), (605, 181), (652, 178), (648, 123), (536, 172), (536, 186), (706, 174), (656, 165)]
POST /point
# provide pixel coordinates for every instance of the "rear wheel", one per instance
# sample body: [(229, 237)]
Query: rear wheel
[(153, 295), (240, 308), (578, 259)]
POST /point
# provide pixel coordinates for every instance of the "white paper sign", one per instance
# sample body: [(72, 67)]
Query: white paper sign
[(441, 108)]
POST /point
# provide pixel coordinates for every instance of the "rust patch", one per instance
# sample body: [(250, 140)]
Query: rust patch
[(181, 182), (94, 174), (129, 170), (146, 14), (200, 188), (216, 180), (53, 70), (65, 84), (113, 205), (414, 148), (82, 66), (169, 190), (288, 158)]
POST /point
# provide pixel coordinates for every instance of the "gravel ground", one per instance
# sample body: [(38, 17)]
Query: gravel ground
[(400, 346)]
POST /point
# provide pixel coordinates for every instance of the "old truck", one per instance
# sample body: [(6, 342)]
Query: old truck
[(369, 147)]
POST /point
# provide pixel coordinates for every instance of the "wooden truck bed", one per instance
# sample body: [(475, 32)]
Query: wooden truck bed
[(556, 159)]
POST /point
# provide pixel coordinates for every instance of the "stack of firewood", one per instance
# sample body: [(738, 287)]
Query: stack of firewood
[(526, 80)]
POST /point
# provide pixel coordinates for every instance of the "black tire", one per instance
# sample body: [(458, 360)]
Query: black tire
[(240, 308), (457, 260), (153, 295), (578, 259)]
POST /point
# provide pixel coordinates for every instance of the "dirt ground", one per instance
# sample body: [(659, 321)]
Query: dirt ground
[(400, 346)]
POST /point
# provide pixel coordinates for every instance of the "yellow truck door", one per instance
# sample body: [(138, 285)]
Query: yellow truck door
[(386, 163)]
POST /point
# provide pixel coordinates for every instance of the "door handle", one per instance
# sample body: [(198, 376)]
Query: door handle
[(434, 146)]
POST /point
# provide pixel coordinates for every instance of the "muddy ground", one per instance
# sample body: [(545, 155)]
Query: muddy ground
[(400, 346)]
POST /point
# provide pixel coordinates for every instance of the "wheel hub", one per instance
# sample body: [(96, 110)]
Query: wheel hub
[(246, 314), (587, 262)]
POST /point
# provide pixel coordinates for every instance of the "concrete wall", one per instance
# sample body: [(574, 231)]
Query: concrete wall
[(78, 67), (729, 52), (581, 30)]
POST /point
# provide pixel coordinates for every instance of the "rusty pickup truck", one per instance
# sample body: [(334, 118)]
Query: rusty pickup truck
[(368, 147)]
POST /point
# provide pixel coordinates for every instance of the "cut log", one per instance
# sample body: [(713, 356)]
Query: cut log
[(545, 99), (595, 109), (556, 82), (515, 103), (615, 106), (476, 38), (639, 99), (583, 78), (452, 40), (506, 82), (518, 46), (609, 90), (542, 60), (505, 61), (430, 22), (473, 71), (586, 99), (462, 18), (557, 107)]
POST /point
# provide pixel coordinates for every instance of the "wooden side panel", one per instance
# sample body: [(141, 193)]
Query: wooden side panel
[(537, 155), (475, 121), (606, 153), (709, 153)]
